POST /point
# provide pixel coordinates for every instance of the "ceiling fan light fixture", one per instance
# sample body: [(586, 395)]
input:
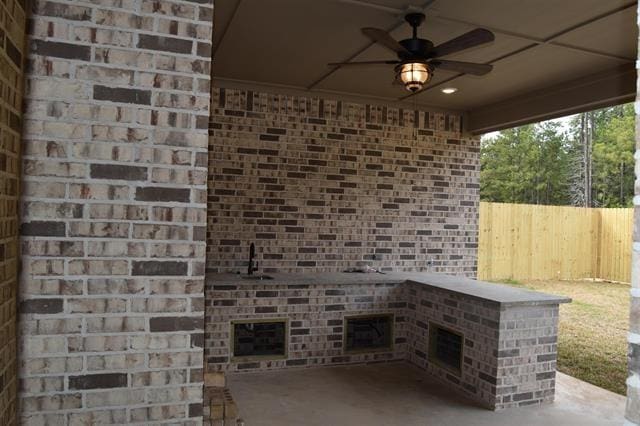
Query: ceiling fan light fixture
[(414, 75), (417, 58)]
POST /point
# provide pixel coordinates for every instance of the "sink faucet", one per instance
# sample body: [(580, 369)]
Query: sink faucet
[(252, 254)]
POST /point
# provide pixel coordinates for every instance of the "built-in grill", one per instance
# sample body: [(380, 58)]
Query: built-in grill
[(445, 347), (259, 338), (368, 333)]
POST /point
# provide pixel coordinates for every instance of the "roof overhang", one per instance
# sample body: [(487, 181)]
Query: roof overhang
[(550, 58)]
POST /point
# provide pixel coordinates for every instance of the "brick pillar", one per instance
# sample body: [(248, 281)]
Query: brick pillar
[(114, 211), (633, 382), (12, 48)]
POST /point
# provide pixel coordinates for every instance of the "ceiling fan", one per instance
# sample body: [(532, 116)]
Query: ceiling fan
[(418, 58)]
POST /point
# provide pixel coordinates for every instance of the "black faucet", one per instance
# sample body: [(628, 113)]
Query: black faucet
[(252, 254)]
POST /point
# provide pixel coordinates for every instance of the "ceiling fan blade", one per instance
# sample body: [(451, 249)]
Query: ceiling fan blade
[(382, 37), (340, 64), (464, 67), (465, 41)]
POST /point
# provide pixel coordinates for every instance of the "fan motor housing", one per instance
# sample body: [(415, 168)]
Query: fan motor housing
[(417, 46)]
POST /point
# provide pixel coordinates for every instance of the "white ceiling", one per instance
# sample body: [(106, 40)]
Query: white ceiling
[(539, 43)]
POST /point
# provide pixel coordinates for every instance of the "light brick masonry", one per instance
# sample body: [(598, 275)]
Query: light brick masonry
[(114, 170), (322, 184)]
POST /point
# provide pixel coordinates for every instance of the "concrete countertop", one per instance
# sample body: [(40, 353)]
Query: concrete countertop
[(501, 294)]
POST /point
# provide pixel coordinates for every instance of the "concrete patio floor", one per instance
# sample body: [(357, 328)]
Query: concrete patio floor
[(399, 394)]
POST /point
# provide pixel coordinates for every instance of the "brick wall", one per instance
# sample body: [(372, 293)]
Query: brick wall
[(114, 215), (633, 382), (321, 184), (12, 49)]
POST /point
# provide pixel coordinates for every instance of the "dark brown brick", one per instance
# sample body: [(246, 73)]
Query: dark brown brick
[(547, 357), (487, 378), (205, 14), (196, 375), (547, 340), (118, 94), (522, 396), (61, 50), (43, 229), (118, 172), (195, 410), (98, 381), (155, 193), (334, 308), (152, 267), (202, 159), (269, 138), (224, 287), (204, 50), (265, 236), (159, 324), (505, 353), (164, 44), (199, 233), (197, 340), (202, 122), (267, 293), (41, 306), (546, 376)]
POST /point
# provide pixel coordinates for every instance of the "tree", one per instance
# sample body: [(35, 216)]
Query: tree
[(613, 160), (587, 163), (525, 165)]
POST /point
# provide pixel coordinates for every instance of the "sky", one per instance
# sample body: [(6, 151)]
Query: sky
[(565, 122)]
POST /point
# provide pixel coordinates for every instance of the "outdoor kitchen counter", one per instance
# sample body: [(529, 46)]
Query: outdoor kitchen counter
[(495, 343), (501, 294)]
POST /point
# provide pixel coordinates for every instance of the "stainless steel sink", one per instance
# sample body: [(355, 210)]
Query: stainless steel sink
[(257, 277)]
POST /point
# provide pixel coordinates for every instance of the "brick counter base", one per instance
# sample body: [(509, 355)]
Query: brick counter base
[(509, 353)]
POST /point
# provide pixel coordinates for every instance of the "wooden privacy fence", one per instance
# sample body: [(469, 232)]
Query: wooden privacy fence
[(521, 241)]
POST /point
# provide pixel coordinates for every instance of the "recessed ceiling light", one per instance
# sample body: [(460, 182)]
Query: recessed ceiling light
[(449, 90)]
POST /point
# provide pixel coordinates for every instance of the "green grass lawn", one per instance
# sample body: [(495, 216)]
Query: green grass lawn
[(592, 344)]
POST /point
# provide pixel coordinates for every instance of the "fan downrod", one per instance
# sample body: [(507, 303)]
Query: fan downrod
[(415, 20)]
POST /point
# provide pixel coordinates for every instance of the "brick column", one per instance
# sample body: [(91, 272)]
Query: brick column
[(12, 47), (114, 211), (633, 382)]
